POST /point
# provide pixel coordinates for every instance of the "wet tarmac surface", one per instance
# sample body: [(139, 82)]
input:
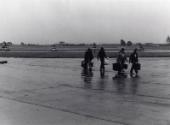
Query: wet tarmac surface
[(58, 91)]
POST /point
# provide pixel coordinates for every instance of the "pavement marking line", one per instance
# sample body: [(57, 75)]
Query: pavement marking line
[(65, 110)]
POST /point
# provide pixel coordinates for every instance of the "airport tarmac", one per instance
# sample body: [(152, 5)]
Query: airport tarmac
[(58, 92)]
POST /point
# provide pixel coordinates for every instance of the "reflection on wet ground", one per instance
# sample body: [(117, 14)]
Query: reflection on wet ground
[(120, 85), (102, 81), (134, 85), (87, 77), (62, 85)]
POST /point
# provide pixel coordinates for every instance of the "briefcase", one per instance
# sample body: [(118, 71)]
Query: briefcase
[(83, 63), (137, 66), (116, 66), (125, 66)]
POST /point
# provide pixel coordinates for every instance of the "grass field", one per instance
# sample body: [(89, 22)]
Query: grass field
[(47, 51)]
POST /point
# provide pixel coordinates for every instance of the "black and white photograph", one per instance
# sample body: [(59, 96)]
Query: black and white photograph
[(84, 62)]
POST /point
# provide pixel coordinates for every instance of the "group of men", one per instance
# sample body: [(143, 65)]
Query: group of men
[(122, 59), (120, 64)]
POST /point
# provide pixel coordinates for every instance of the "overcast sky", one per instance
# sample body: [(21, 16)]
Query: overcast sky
[(77, 21)]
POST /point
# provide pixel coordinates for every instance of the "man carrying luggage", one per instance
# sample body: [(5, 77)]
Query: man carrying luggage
[(134, 60), (121, 59), (102, 55), (88, 58)]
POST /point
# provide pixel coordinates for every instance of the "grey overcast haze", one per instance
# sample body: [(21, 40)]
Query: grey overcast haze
[(78, 21)]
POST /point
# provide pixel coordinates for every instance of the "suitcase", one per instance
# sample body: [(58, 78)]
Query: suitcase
[(116, 66), (125, 66), (83, 63), (106, 61), (137, 66)]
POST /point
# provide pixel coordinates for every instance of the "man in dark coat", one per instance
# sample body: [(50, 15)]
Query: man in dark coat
[(134, 60), (88, 58), (102, 55), (121, 59)]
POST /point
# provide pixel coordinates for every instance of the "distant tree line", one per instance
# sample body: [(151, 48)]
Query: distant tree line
[(29, 44), (124, 43), (5, 44)]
